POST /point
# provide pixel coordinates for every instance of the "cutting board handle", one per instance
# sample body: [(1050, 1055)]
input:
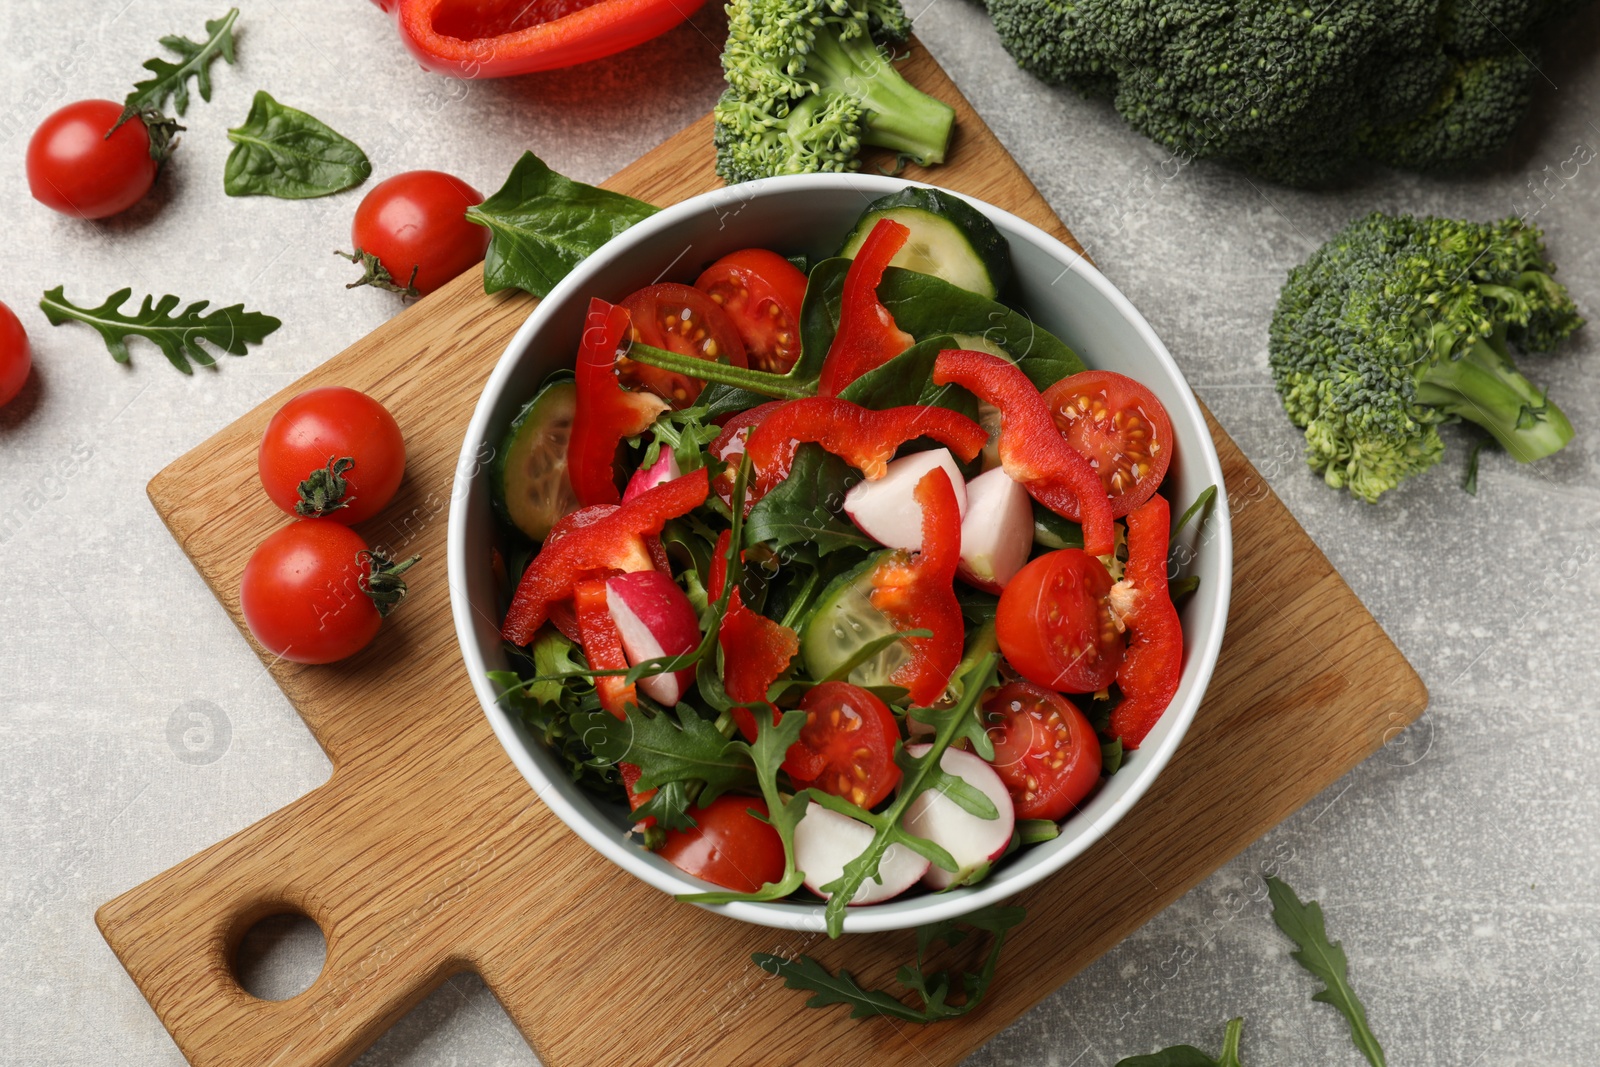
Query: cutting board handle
[(388, 945)]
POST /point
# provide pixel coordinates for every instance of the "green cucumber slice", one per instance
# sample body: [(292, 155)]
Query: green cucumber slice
[(843, 621), (950, 239), (529, 474)]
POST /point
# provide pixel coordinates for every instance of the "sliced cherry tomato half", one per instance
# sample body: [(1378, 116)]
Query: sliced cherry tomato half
[(761, 292), (729, 446), (1055, 625), (1045, 751), (681, 319), (728, 846), (1120, 427), (846, 746)]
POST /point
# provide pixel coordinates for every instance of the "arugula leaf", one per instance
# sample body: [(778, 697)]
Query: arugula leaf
[(1189, 1056), (178, 336), (542, 224), (172, 79), (1111, 756), (917, 774), (546, 706), (1201, 506), (932, 988), (688, 433), (283, 152), (675, 745), (767, 753), (803, 509), (1325, 960)]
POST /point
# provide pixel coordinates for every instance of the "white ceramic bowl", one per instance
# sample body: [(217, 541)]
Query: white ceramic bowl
[(811, 214)]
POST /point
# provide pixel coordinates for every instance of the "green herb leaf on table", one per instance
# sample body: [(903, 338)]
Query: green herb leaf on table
[(1325, 959), (283, 152), (1189, 1056), (543, 224), (171, 80), (933, 989), (179, 335)]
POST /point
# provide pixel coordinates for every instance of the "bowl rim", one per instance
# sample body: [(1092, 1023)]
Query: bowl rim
[(808, 916)]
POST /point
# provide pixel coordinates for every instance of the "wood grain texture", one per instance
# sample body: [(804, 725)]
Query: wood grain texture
[(426, 853)]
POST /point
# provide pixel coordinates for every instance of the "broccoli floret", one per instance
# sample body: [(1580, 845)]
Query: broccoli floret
[(1294, 92), (1399, 324), (808, 86)]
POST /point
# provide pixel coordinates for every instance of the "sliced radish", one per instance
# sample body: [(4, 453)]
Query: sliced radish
[(997, 531), (824, 841), (971, 841), (887, 511), (664, 469), (655, 619)]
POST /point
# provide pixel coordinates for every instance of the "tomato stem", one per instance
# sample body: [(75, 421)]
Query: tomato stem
[(324, 489), (377, 275), (383, 582), (779, 386)]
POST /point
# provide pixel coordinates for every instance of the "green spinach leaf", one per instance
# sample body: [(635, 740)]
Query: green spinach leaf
[(1189, 1056), (804, 507), (542, 224), (178, 336), (283, 152)]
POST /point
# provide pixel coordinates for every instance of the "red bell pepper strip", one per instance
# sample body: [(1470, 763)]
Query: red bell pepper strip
[(755, 649), (1032, 449), (862, 437), (867, 337), (494, 40), (917, 592), (606, 412), (593, 549), (1153, 664), (636, 555), (602, 647)]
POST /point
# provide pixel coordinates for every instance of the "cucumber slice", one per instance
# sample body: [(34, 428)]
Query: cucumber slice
[(950, 239), (529, 475), (842, 622)]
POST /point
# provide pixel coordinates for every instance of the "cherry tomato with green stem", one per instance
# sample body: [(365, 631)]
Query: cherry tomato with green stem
[(75, 168), (332, 453), (313, 592), (415, 223)]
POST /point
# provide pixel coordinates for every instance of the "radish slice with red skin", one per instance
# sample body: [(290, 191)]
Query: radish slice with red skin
[(996, 531), (824, 841), (664, 469), (971, 841), (886, 509), (655, 619)]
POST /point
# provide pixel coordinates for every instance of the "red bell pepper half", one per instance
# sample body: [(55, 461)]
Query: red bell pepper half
[(862, 437), (593, 550), (1153, 664), (867, 336), (606, 412), (755, 649), (602, 647), (917, 592), (1032, 449), (496, 38)]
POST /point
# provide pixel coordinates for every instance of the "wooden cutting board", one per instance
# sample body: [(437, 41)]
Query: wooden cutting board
[(426, 853)]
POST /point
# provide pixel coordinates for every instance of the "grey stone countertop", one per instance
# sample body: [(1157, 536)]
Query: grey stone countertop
[(1459, 866)]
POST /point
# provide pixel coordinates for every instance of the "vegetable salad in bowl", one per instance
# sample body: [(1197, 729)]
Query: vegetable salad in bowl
[(831, 576)]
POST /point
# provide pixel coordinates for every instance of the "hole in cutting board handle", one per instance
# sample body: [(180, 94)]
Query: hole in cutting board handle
[(280, 956)]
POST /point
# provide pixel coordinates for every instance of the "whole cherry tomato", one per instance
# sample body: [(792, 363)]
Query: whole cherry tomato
[(417, 222), (309, 441), (728, 846), (313, 592), (74, 168), (15, 358)]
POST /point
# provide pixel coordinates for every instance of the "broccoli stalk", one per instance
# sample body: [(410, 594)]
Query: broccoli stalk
[(808, 86), (1397, 325), (1484, 386)]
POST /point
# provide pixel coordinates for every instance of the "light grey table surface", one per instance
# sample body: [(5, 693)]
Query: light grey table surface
[(1459, 865)]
